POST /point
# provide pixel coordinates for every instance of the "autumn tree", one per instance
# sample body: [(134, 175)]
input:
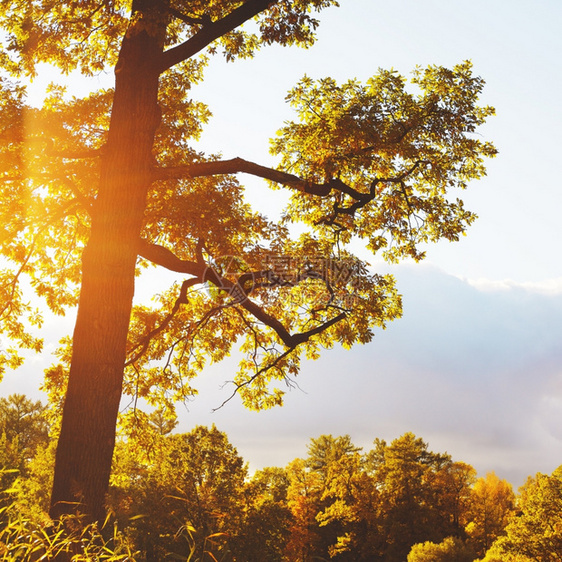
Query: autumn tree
[(534, 532), (23, 430), (264, 530), (411, 483), (347, 495), (304, 500), (454, 483), (349, 505), (23, 420), (31, 491), (96, 189), (492, 503)]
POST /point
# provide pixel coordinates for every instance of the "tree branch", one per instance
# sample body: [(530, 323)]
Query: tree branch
[(239, 165), (160, 255), (297, 339), (209, 33), (145, 341)]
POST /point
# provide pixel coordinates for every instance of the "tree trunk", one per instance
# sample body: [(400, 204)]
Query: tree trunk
[(87, 437)]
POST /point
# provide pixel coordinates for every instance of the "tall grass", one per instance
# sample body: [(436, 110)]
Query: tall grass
[(22, 539)]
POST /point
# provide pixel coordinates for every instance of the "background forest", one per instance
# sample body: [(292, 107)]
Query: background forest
[(190, 497)]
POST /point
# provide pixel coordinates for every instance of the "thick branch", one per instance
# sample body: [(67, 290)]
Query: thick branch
[(162, 256), (239, 165), (305, 336), (255, 310), (290, 340), (159, 255), (209, 33), (364, 198)]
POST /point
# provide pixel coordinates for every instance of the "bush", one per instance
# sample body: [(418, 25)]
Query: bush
[(452, 549)]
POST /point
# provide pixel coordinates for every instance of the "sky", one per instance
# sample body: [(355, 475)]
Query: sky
[(474, 366)]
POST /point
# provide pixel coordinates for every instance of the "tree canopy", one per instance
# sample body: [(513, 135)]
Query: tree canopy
[(97, 189)]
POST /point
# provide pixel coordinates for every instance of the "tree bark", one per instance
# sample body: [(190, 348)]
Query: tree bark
[(87, 437)]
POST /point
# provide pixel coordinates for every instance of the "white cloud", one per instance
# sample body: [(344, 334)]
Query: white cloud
[(546, 287)]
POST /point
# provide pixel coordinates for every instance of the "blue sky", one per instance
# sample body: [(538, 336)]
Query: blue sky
[(475, 365)]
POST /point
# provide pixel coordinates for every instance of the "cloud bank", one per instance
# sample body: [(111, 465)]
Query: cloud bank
[(474, 368)]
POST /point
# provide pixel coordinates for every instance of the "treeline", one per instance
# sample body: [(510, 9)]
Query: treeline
[(190, 497)]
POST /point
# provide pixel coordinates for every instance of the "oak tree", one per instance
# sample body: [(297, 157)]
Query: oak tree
[(96, 189)]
